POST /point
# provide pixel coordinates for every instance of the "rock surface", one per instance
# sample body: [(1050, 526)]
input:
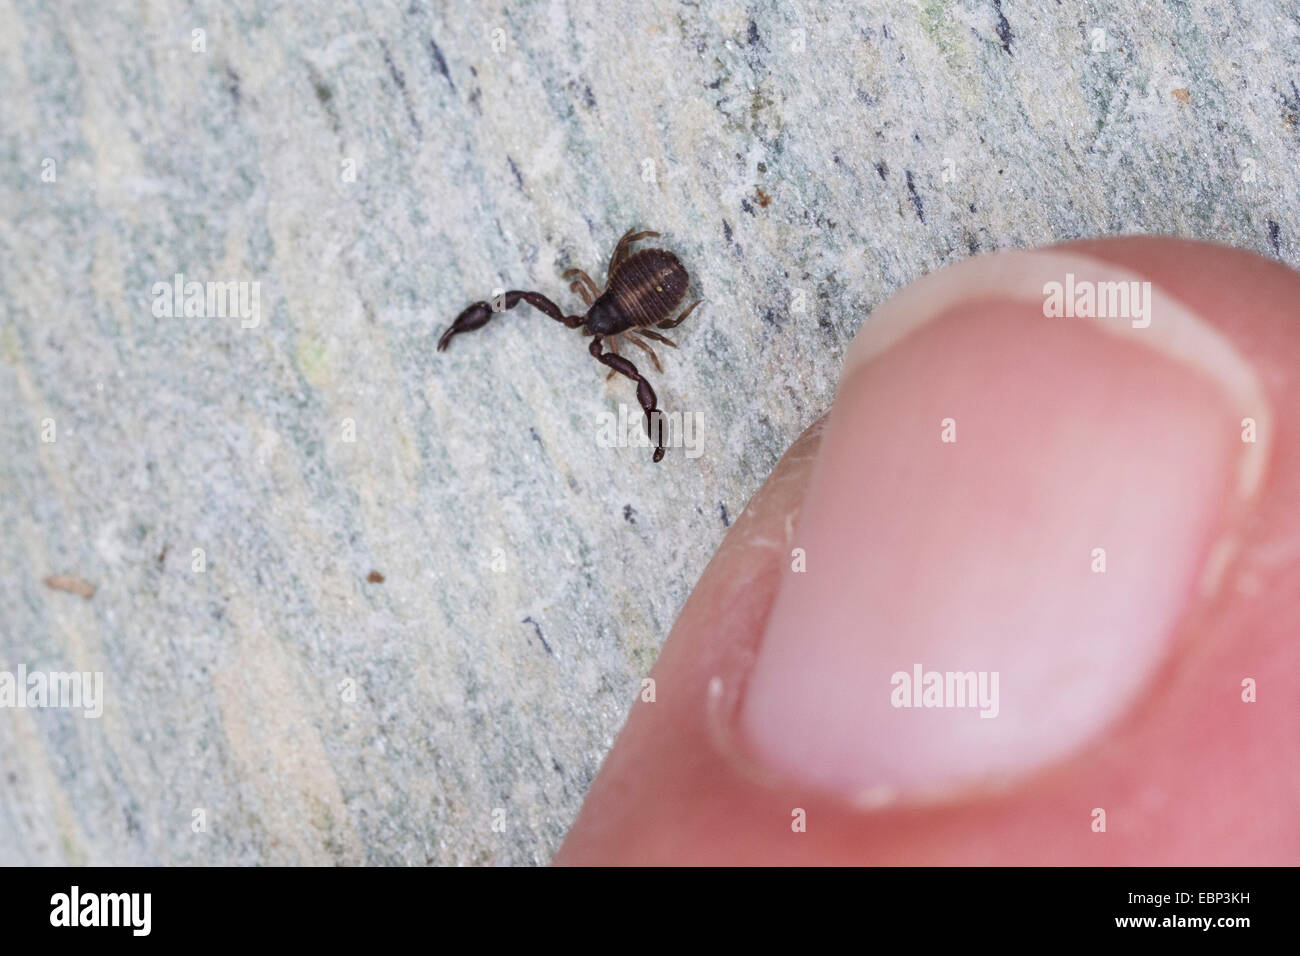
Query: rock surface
[(356, 601)]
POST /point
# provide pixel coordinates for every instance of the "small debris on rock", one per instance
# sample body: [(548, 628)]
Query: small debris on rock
[(72, 584)]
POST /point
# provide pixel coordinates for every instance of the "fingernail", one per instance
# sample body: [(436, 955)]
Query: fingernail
[(1010, 513)]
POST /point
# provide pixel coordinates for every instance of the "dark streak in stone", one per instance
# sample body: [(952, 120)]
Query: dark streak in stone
[(726, 231), (326, 97), (1274, 238), (916, 199), (519, 177), (744, 204), (232, 84), (538, 628), (882, 169), (753, 33), (440, 62), (1291, 103), (722, 509), (400, 79), (629, 514), (1004, 28)]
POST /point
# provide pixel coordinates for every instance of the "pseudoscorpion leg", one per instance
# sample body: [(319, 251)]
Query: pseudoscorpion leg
[(620, 251), (640, 343), (613, 347), (673, 323), (656, 336), (592, 292)]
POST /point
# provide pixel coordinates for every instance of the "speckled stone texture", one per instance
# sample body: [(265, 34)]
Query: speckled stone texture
[(376, 167)]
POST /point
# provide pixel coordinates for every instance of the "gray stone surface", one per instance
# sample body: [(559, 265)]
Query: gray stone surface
[(813, 154)]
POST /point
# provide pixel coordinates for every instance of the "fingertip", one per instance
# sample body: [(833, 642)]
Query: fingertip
[(1183, 768)]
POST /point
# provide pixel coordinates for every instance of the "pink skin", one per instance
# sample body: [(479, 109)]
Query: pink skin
[(1186, 772)]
